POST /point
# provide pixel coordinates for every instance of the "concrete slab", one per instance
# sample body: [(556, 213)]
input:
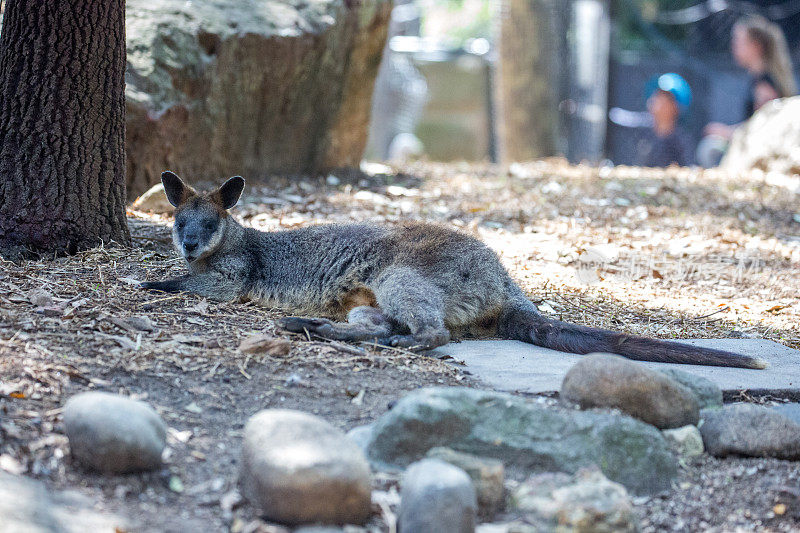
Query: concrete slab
[(517, 366)]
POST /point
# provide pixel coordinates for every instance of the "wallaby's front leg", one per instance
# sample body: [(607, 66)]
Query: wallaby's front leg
[(364, 323), (209, 284)]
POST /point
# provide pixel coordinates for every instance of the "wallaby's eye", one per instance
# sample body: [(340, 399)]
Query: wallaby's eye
[(209, 226)]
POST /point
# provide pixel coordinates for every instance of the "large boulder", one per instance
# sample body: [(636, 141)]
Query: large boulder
[(769, 141), (250, 87), (523, 434)]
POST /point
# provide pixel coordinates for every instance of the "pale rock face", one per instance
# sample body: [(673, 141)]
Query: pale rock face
[(769, 141), (154, 201), (114, 434), (248, 87)]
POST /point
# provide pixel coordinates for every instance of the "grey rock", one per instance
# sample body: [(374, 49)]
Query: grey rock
[(707, 392), (361, 435), (686, 441), (606, 380), (436, 497), (114, 434), (27, 506), (523, 434), (249, 87), (789, 410), (487, 474), (750, 430), (298, 469), (585, 502)]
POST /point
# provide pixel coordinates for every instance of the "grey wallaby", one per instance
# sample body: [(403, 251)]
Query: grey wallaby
[(413, 285)]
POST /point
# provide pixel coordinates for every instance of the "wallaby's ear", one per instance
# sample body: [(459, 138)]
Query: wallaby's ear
[(177, 191), (230, 191)]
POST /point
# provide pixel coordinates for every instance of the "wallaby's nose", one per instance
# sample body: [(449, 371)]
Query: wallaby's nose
[(190, 246)]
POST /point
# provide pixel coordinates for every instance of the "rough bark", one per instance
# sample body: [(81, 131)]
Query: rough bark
[(62, 125), (526, 84), (249, 87)]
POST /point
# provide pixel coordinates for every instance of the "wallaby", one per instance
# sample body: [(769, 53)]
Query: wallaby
[(413, 285)]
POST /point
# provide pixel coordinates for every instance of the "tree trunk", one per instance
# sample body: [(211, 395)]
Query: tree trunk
[(62, 125), (526, 82)]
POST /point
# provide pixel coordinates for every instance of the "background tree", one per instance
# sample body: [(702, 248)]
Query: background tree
[(62, 125), (526, 81)]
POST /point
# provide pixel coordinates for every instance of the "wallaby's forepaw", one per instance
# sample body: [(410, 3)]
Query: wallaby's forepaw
[(416, 342), (298, 324), (164, 286)]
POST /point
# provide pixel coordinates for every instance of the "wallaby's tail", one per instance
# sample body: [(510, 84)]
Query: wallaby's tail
[(529, 326)]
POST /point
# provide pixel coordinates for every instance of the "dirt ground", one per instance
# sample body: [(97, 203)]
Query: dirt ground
[(674, 253)]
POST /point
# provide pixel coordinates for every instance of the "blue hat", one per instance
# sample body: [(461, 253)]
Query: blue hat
[(673, 84)]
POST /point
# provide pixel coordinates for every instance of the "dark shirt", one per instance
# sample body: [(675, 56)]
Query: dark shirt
[(750, 104), (657, 151)]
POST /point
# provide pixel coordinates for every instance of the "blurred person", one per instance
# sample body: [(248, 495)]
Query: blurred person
[(665, 143), (759, 46)]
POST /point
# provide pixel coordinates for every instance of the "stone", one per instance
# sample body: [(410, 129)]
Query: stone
[(606, 380), (749, 430), (248, 87), (487, 474), (361, 435), (524, 434), (299, 469), (27, 506), (686, 441), (768, 141), (587, 501), (707, 392), (436, 497), (114, 434), (515, 366), (154, 200)]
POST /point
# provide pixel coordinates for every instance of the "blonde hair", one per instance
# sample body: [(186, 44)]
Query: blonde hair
[(777, 61)]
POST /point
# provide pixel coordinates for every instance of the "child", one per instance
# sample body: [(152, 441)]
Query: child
[(665, 143)]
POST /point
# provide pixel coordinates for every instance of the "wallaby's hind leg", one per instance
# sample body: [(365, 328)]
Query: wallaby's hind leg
[(410, 300), (364, 323)]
